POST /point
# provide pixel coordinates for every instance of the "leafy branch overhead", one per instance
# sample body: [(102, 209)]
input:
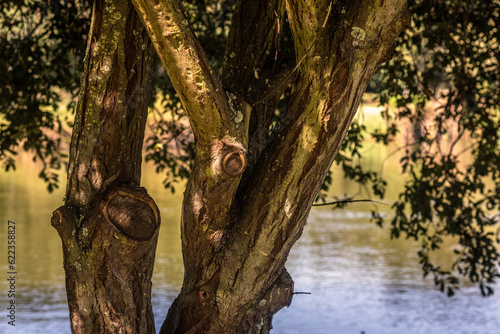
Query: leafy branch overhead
[(444, 79), (32, 88)]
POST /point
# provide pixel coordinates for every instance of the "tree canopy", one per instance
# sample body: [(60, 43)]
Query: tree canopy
[(442, 82)]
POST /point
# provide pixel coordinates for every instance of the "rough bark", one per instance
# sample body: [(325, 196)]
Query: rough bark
[(250, 189), (254, 40), (109, 225), (238, 227)]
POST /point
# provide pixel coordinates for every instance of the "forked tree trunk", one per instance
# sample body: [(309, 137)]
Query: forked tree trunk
[(109, 225), (250, 189), (249, 193)]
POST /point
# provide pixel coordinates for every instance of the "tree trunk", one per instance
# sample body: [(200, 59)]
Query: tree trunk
[(252, 184), (249, 193), (109, 225)]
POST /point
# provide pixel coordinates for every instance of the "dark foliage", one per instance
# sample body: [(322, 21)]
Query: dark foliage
[(42, 59), (444, 82)]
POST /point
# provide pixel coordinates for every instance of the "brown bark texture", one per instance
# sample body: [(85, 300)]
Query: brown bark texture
[(109, 224), (256, 171), (238, 227)]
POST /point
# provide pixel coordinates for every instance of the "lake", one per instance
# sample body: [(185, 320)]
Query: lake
[(359, 279)]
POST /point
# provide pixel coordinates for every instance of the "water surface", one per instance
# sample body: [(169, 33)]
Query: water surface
[(359, 279)]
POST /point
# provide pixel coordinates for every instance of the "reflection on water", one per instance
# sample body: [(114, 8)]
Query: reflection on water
[(359, 279)]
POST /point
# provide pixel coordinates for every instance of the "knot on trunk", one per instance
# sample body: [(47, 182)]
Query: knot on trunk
[(204, 295), (61, 215), (234, 163), (228, 157), (64, 220), (132, 211)]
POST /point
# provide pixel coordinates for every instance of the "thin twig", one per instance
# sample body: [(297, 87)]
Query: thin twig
[(348, 201)]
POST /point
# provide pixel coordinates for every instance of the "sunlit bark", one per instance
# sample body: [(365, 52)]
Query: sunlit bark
[(109, 225), (250, 189), (237, 232)]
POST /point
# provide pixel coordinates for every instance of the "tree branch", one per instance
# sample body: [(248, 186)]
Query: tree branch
[(187, 66), (346, 201), (254, 40), (113, 102), (109, 225), (332, 78)]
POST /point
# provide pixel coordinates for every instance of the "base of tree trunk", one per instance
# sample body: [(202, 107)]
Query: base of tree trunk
[(108, 259), (191, 313)]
